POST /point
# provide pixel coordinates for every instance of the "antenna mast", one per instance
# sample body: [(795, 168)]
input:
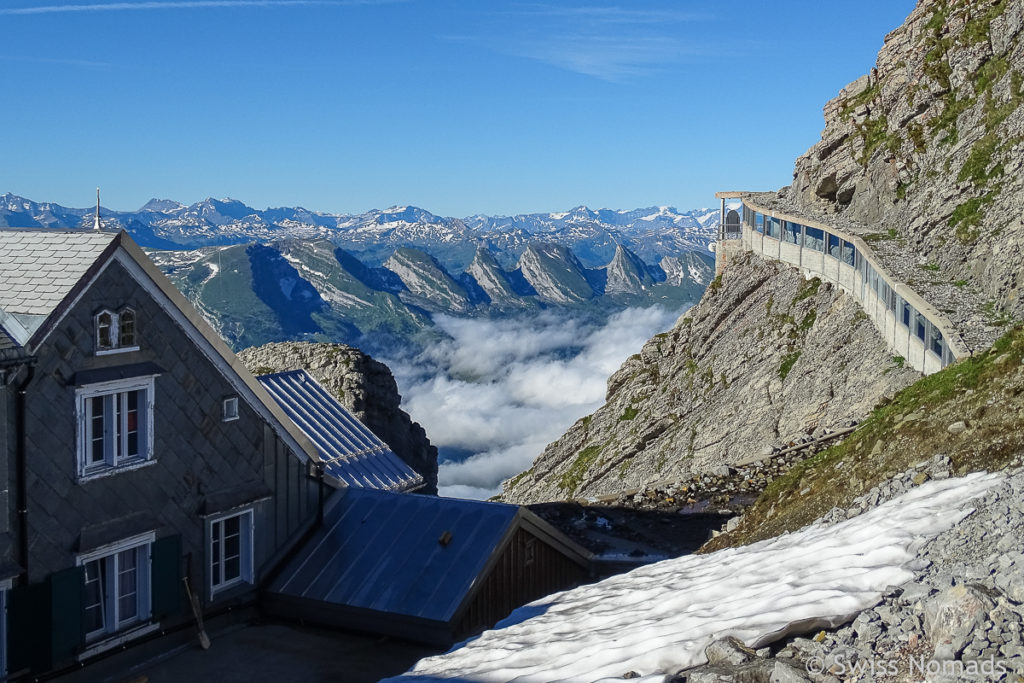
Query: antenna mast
[(96, 224)]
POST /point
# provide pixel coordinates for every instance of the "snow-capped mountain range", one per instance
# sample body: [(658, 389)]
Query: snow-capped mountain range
[(377, 278), (650, 233)]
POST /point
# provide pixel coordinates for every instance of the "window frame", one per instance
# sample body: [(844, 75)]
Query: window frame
[(246, 564), (114, 444), (110, 594), (114, 332), (229, 409)]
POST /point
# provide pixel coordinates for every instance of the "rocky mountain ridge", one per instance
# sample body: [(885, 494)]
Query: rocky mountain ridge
[(363, 385), (313, 290), (764, 359), (921, 158), (928, 147)]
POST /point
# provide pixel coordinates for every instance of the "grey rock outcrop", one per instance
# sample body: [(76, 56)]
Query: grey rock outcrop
[(427, 282), (766, 357), (627, 274), (928, 145), (363, 385), (555, 273)]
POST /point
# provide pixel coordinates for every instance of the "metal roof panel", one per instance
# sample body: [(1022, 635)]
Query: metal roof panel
[(381, 550), (350, 451)]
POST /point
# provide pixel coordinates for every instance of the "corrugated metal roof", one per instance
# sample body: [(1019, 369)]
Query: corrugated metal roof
[(39, 267), (351, 452), (380, 551)]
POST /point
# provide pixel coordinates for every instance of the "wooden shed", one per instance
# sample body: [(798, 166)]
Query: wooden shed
[(429, 569)]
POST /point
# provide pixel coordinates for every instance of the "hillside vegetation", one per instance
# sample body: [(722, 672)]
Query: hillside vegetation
[(969, 412)]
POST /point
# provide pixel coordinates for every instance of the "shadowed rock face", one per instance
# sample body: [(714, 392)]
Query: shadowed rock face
[(765, 358), (929, 144), (364, 386)]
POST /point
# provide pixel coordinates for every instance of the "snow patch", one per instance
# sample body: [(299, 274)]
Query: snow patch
[(658, 619)]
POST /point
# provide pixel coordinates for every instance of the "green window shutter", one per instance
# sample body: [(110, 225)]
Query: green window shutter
[(67, 609), (28, 628), (166, 577)]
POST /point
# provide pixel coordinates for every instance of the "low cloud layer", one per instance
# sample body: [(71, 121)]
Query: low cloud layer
[(501, 390)]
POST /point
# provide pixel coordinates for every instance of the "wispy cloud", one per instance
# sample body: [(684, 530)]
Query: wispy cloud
[(611, 15), (607, 42), (502, 390), (175, 4), (608, 57)]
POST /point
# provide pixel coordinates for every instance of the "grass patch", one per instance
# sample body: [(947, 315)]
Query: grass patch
[(788, 361), (899, 434), (808, 322), (960, 283), (976, 168), (861, 98), (875, 134), (716, 284), (516, 479), (968, 215), (573, 477), (933, 267), (899, 361), (995, 315), (628, 414), (808, 288)]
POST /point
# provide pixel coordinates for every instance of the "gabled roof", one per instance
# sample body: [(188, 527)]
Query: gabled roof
[(47, 271), (382, 552), (38, 268), (351, 453)]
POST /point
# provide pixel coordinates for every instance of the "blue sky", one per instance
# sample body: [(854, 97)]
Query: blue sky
[(458, 107)]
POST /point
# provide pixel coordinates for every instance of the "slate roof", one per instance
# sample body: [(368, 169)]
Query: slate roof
[(351, 453), (39, 267), (5, 341), (380, 551)]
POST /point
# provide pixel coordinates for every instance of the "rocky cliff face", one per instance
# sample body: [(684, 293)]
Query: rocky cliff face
[(363, 385), (555, 273), (627, 274), (764, 359), (930, 145), (427, 282)]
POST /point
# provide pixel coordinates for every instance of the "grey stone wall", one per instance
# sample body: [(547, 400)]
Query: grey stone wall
[(199, 460)]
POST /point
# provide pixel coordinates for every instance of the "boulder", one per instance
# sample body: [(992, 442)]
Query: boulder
[(951, 617)]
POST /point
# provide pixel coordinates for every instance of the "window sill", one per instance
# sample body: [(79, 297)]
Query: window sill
[(231, 587), (120, 349), (101, 473), (117, 639)]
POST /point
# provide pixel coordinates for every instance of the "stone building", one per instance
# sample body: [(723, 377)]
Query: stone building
[(137, 455), (147, 479)]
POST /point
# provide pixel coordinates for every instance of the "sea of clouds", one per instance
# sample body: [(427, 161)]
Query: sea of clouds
[(494, 394)]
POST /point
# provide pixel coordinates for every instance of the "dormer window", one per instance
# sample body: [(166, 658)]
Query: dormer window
[(115, 332), (104, 331), (126, 327)]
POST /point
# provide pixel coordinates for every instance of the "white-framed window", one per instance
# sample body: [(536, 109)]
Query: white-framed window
[(116, 331), (229, 409), (231, 561), (117, 586), (115, 425), (4, 587)]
